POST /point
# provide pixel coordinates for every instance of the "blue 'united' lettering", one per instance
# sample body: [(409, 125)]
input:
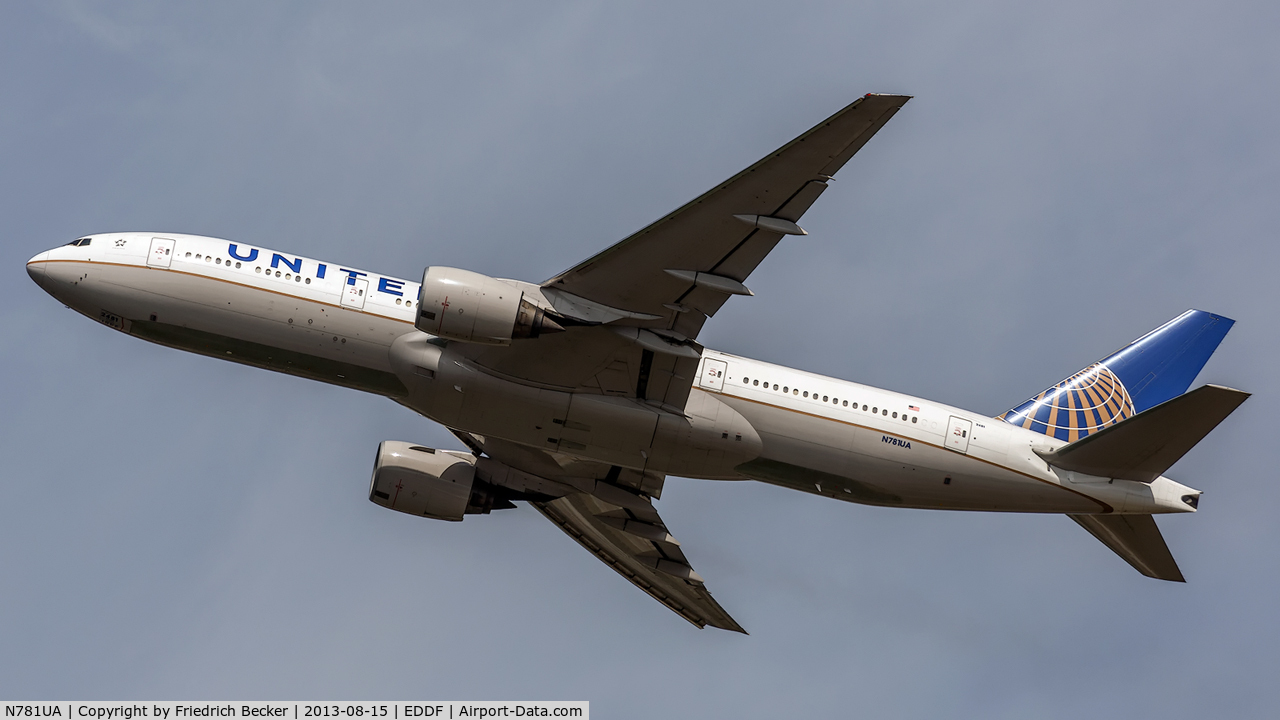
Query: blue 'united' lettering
[(895, 441), (253, 253), (277, 258)]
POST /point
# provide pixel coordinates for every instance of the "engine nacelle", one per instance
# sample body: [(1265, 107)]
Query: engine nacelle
[(422, 481), (467, 306)]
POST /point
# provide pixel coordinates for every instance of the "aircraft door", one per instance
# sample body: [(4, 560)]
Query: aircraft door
[(958, 432), (354, 292), (713, 372), (161, 252)]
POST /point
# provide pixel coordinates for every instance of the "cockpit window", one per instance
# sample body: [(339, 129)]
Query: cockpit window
[(81, 242)]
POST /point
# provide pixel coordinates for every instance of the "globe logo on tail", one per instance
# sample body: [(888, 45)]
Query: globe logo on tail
[(1084, 403)]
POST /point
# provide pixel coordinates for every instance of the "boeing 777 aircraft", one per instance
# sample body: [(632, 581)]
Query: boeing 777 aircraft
[(581, 394)]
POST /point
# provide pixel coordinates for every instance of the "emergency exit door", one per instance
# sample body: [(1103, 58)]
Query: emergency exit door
[(958, 432), (161, 252), (353, 293), (713, 374)]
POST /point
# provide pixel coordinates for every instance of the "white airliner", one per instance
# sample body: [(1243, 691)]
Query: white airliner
[(581, 394)]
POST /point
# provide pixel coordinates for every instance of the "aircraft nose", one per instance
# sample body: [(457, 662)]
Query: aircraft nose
[(36, 264), (36, 269)]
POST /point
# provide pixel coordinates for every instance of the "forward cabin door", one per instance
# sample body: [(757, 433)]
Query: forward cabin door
[(353, 293), (161, 252), (713, 372), (958, 432)]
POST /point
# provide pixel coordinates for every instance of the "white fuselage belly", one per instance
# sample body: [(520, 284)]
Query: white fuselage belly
[(816, 436)]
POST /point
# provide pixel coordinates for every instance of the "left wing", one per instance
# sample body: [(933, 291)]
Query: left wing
[(679, 270), (637, 307)]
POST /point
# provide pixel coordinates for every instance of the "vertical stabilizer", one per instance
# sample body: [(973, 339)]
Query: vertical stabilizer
[(1155, 368)]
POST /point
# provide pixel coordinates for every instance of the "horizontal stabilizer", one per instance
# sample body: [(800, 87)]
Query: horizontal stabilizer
[(1142, 447), (1137, 539)]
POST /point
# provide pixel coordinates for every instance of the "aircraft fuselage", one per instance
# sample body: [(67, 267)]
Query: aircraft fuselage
[(745, 419)]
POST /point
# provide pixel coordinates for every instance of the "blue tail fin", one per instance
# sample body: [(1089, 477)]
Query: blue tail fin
[(1156, 367)]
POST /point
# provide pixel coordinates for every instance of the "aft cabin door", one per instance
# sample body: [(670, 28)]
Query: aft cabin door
[(161, 252), (958, 432), (713, 374), (354, 292)]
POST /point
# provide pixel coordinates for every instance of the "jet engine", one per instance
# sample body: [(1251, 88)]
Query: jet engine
[(432, 483), (422, 481), (467, 306)]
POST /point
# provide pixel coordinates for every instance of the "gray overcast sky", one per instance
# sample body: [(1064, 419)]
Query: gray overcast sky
[(1068, 176)]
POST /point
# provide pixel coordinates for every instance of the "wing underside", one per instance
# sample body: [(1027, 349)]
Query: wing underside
[(638, 546), (609, 511)]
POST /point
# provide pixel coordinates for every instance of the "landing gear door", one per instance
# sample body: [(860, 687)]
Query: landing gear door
[(958, 432), (161, 252), (713, 372), (354, 292)]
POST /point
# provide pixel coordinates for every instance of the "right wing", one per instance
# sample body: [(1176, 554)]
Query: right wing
[(609, 511), (635, 542)]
